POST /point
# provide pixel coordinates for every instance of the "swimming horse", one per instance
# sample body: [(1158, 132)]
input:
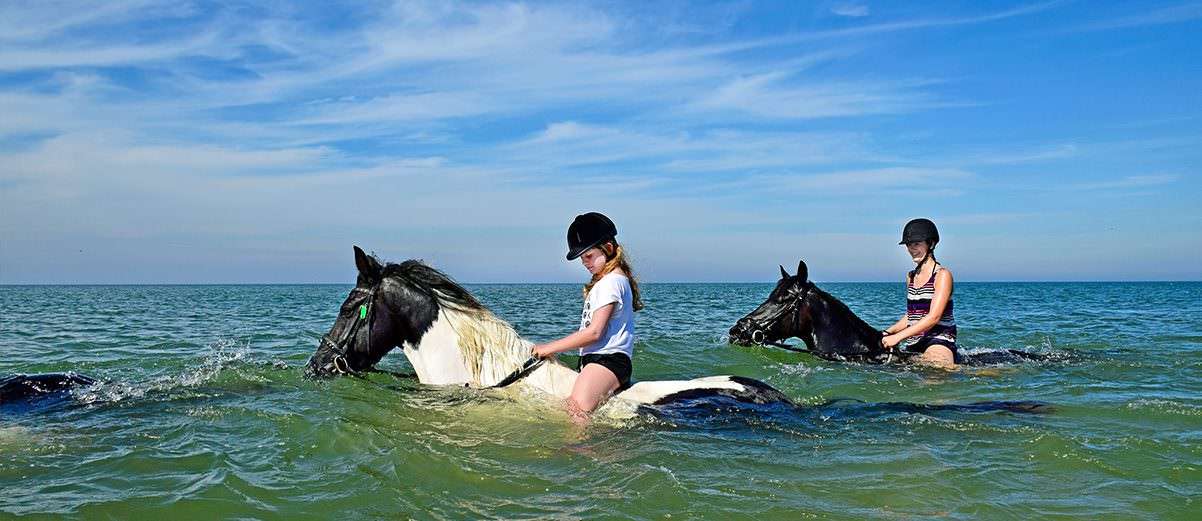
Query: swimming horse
[(829, 330), (451, 339)]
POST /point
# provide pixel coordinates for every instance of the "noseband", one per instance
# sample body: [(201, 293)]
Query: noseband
[(366, 313), (758, 335)]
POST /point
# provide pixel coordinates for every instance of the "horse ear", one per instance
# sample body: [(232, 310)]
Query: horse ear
[(369, 267), (784, 274), (803, 271)]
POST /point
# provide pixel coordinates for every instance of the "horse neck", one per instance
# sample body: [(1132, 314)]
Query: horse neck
[(475, 347), (836, 328)]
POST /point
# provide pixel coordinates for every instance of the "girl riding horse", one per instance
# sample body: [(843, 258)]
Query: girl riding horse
[(928, 327), (606, 335)]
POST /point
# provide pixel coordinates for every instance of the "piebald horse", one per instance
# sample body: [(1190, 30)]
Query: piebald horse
[(451, 339)]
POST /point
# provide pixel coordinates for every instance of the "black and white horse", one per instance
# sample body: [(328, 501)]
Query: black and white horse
[(829, 330), (450, 338)]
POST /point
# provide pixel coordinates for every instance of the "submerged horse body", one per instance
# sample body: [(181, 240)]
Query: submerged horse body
[(31, 392), (450, 338), (827, 327)]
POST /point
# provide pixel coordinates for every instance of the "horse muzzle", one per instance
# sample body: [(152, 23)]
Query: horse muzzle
[(743, 335)]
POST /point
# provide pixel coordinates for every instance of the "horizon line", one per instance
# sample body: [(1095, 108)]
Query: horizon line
[(80, 284)]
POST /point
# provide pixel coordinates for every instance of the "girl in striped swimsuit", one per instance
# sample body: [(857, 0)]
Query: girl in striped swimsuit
[(928, 326)]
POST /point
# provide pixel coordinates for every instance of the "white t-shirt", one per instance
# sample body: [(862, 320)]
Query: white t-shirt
[(618, 336)]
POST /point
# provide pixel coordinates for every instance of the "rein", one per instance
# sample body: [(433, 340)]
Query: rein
[(527, 367)]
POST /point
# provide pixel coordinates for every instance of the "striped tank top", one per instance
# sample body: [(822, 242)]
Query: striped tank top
[(918, 305)]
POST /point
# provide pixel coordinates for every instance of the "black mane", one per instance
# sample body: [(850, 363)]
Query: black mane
[(434, 283), (845, 314)]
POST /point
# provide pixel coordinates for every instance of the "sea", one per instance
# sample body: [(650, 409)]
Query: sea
[(203, 412)]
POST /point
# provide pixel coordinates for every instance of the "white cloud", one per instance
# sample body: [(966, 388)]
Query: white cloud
[(1164, 15), (771, 96), (852, 9), (1137, 181), (864, 183)]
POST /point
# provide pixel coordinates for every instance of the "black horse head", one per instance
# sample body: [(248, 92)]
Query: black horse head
[(389, 306), (796, 308)]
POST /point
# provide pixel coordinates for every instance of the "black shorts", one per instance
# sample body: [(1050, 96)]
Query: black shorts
[(618, 363), (922, 344)]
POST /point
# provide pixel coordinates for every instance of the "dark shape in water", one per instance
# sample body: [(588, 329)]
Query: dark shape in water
[(22, 393)]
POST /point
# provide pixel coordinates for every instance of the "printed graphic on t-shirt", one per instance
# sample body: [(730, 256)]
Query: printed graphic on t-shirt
[(586, 317)]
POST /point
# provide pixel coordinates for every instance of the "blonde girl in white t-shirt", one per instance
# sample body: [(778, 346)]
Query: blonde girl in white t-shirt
[(606, 335)]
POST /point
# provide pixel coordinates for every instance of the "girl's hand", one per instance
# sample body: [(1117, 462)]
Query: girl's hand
[(542, 351), (889, 341)]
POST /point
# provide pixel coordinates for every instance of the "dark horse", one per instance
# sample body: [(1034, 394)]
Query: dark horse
[(829, 330), (29, 392)]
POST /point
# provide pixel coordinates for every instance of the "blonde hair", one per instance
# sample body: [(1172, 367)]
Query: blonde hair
[(616, 259)]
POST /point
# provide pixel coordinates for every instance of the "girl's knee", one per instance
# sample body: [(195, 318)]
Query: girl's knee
[(578, 410), (939, 355)]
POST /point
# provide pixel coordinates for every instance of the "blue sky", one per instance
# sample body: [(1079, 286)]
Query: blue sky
[(198, 142)]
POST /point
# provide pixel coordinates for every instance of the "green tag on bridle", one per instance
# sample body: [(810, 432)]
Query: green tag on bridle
[(362, 311)]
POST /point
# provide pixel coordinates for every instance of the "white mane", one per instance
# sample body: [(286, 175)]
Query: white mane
[(491, 348)]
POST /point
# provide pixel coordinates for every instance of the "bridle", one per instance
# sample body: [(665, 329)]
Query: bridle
[(366, 314), (758, 335)]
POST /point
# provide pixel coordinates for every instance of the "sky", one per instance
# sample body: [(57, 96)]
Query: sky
[(231, 142)]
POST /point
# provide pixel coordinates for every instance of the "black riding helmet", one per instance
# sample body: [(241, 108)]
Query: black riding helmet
[(919, 230), (587, 231)]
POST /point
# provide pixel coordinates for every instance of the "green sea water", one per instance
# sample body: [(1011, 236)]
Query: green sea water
[(203, 413)]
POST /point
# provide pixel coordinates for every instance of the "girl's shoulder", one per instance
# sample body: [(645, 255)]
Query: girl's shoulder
[(616, 273), (943, 274), (616, 277)]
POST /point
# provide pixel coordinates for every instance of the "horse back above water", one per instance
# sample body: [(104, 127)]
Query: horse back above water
[(24, 393), (450, 338)]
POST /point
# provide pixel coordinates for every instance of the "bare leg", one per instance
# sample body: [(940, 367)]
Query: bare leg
[(939, 356), (593, 385)]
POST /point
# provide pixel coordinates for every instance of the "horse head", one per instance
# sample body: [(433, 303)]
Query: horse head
[(449, 337), (796, 308), (784, 315), (380, 313)]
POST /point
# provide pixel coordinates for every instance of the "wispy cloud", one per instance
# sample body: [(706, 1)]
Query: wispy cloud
[(928, 182), (768, 95), (853, 9), (1138, 181), (1164, 15)]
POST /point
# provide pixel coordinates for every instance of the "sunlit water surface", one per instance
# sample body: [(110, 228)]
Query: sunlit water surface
[(204, 414)]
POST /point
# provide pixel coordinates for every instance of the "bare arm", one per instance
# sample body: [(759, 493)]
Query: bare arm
[(943, 292), (579, 339)]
